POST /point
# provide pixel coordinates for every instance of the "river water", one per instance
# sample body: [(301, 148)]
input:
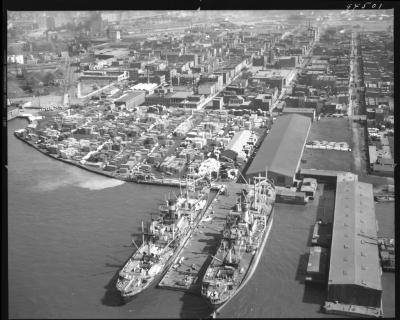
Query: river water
[(69, 233)]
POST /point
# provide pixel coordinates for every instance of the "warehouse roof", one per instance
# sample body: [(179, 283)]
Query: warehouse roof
[(340, 175), (145, 86), (282, 148), (354, 252), (317, 259), (129, 96), (284, 73)]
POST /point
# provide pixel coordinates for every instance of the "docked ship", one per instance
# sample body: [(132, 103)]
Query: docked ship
[(243, 239), (162, 241)]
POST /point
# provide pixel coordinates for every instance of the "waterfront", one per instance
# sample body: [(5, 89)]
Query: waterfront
[(69, 232)]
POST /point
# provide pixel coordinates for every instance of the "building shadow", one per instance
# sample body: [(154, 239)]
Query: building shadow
[(326, 205), (309, 238), (302, 268), (314, 294)]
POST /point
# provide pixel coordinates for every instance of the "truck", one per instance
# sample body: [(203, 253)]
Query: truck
[(287, 195), (309, 187)]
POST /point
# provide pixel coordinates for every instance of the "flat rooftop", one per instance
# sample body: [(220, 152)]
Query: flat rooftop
[(302, 110), (116, 52), (144, 86), (273, 73), (354, 251)]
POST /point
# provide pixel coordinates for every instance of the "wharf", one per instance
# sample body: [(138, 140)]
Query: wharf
[(166, 182), (202, 244), (163, 182), (353, 310)]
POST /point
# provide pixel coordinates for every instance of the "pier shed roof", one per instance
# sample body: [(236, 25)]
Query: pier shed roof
[(281, 150), (354, 252)]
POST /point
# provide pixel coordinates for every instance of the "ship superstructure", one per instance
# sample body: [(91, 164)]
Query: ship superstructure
[(163, 238), (243, 239)]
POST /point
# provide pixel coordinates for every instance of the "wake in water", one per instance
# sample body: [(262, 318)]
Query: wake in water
[(77, 177), (100, 183)]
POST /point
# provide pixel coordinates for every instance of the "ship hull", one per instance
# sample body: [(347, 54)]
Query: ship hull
[(128, 297), (251, 268)]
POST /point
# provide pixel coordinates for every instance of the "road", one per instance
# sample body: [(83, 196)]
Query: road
[(304, 63), (356, 103), (356, 86)]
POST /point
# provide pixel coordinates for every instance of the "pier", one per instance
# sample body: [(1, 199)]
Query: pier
[(186, 273)]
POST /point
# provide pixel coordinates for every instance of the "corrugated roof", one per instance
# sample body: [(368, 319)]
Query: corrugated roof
[(354, 251), (282, 148), (317, 259), (129, 96)]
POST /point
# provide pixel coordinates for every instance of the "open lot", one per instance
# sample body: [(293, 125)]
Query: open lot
[(331, 130)]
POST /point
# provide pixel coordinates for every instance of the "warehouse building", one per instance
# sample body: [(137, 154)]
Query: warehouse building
[(104, 76), (234, 149), (282, 150), (328, 177), (274, 78), (354, 284), (131, 100)]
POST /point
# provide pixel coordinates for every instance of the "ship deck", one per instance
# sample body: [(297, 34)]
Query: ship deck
[(201, 246)]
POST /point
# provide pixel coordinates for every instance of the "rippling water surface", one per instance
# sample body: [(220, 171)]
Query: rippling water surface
[(69, 233)]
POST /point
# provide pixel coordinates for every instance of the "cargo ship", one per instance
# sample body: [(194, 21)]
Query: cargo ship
[(162, 241), (244, 237)]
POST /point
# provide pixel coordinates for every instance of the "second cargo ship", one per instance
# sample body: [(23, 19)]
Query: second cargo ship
[(243, 239)]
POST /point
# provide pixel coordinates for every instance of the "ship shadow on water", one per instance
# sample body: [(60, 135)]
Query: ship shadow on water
[(313, 293), (194, 307), (112, 297)]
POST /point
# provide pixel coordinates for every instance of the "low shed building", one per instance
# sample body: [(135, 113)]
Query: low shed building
[(234, 149), (131, 100)]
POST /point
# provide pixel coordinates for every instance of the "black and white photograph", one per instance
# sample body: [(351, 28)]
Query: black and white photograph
[(199, 163)]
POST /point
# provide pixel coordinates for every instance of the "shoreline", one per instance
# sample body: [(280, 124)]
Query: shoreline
[(101, 172)]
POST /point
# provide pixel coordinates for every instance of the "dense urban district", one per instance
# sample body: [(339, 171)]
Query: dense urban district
[(172, 97)]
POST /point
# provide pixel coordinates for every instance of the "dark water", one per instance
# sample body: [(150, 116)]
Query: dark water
[(69, 233)]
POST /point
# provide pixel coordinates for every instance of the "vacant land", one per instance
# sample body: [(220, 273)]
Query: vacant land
[(331, 130)]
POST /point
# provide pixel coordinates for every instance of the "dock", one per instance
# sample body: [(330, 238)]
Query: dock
[(186, 273), (353, 310)]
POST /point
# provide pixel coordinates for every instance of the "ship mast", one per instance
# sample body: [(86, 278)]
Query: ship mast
[(148, 238), (142, 233)]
